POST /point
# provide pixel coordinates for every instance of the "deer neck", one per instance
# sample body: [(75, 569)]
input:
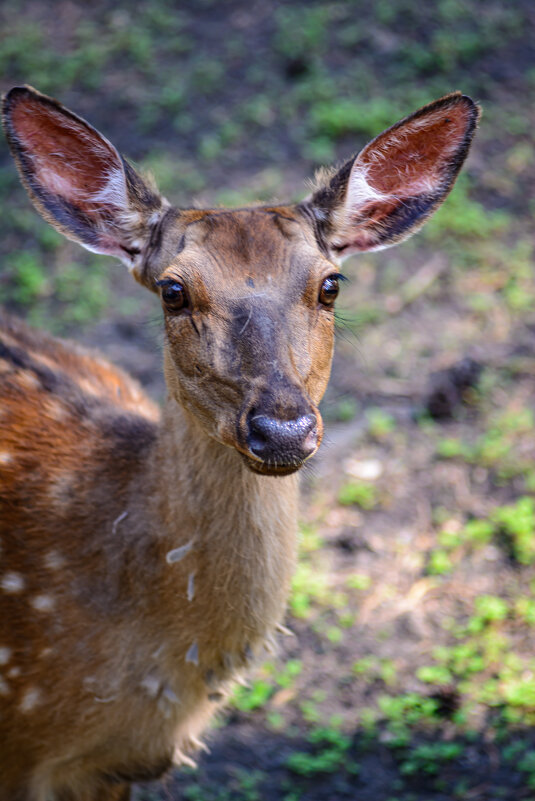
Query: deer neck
[(227, 539)]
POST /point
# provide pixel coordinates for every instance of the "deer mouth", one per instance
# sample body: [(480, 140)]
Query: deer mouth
[(270, 469)]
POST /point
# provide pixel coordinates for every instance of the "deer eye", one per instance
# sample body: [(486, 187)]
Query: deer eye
[(329, 290), (174, 296)]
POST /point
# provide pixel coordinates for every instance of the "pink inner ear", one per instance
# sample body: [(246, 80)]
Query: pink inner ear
[(68, 158), (411, 158)]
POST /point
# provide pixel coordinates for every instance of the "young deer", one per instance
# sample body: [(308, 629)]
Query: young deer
[(146, 559)]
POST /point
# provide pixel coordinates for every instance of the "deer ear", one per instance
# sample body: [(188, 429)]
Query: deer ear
[(77, 179), (386, 192)]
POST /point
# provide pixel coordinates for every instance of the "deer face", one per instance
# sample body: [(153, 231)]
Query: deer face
[(247, 294), (249, 307)]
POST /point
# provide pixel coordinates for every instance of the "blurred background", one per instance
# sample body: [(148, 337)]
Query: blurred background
[(412, 676)]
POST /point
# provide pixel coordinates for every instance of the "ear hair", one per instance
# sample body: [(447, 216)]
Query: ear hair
[(77, 179), (386, 192)]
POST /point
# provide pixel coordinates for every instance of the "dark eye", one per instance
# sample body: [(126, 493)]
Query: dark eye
[(329, 290), (174, 297)]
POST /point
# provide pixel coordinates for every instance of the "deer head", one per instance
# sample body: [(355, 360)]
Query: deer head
[(247, 294)]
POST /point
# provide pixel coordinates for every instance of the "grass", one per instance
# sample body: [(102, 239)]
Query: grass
[(358, 493), (329, 755)]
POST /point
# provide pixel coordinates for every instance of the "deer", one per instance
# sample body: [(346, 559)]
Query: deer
[(146, 555)]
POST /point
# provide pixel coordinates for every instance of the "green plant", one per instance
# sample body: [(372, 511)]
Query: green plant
[(341, 411), (410, 707), (372, 668), (478, 532), (29, 276), (527, 765), (462, 216), (439, 563), (289, 672), (329, 754), (434, 674), (490, 608), (428, 758), (516, 522), (359, 582), (525, 609), (246, 784), (336, 117), (247, 699), (403, 712), (358, 493), (301, 35), (309, 586), (380, 423)]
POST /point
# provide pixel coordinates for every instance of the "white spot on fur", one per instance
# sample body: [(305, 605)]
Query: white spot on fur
[(12, 583), (170, 695), (193, 653), (5, 654), (30, 699), (191, 586), (118, 520), (89, 387), (246, 323), (13, 672), (60, 489), (151, 685), (167, 700), (27, 380), (54, 560), (91, 685), (177, 554), (56, 411), (5, 457), (43, 603), (46, 652)]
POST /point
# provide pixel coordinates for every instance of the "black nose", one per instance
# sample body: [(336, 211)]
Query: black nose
[(283, 442)]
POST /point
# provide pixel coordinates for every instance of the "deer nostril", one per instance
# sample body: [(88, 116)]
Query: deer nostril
[(256, 441), (283, 440), (311, 440)]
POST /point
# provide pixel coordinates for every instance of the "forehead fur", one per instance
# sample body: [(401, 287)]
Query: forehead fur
[(260, 239)]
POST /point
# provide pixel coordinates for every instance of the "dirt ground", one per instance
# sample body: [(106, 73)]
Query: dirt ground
[(411, 675)]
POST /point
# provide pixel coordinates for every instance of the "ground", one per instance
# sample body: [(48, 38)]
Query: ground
[(411, 676)]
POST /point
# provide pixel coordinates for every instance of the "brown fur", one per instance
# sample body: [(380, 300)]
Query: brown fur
[(146, 558)]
